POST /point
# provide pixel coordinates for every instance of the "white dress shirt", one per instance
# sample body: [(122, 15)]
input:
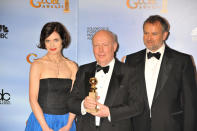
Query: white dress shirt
[(152, 67), (102, 88)]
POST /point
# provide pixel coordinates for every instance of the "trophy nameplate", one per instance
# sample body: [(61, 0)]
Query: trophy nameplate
[(92, 93)]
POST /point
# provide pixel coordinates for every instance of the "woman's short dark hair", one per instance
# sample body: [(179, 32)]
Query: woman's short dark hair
[(49, 28), (157, 18)]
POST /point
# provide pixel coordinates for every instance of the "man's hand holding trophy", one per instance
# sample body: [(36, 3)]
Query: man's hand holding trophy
[(91, 104), (93, 94)]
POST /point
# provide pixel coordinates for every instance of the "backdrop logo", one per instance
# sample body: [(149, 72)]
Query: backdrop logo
[(148, 4), (64, 4), (3, 32), (29, 59), (92, 30), (4, 97)]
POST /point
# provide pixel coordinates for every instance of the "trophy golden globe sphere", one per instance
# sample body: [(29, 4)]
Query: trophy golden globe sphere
[(93, 81)]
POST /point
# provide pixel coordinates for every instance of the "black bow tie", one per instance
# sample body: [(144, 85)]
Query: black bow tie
[(156, 55), (105, 69)]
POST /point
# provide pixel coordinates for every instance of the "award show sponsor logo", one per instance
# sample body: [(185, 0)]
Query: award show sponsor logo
[(29, 57), (63, 4), (148, 4), (4, 97), (3, 32), (92, 30)]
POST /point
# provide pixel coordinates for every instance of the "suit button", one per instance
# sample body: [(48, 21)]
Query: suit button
[(113, 125)]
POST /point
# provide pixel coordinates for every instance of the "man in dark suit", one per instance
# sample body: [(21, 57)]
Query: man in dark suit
[(118, 98), (167, 78)]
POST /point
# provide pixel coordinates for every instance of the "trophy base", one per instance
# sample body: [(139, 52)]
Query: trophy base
[(94, 96)]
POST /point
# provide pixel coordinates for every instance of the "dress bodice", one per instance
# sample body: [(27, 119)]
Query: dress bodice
[(53, 95)]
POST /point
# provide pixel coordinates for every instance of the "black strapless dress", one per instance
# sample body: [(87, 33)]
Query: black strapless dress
[(53, 95)]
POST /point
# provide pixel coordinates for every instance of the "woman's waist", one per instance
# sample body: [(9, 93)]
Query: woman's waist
[(57, 109)]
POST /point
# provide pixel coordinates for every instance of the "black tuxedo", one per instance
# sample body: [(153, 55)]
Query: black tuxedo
[(122, 99), (174, 103)]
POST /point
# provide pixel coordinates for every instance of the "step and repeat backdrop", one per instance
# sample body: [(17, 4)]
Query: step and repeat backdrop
[(22, 20)]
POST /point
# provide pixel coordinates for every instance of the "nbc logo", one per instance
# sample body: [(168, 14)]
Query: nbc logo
[(3, 32)]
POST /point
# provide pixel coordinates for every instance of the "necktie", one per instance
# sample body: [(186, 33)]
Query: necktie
[(105, 69), (156, 55)]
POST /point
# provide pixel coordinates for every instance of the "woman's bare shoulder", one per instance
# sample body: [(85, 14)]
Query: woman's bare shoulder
[(72, 64), (39, 62)]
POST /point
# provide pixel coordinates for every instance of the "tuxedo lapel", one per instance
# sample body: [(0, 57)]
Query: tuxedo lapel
[(88, 75), (114, 84), (164, 73), (140, 69)]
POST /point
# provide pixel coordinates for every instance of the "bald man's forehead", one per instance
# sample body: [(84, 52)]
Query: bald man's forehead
[(103, 35)]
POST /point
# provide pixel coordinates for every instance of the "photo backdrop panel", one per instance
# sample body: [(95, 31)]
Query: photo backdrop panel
[(20, 27)]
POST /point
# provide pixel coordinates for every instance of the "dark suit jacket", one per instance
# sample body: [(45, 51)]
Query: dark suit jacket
[(122, 99), (174, 103)]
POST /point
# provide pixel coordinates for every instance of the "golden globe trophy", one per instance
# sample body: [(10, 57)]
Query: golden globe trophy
[(92, 93)]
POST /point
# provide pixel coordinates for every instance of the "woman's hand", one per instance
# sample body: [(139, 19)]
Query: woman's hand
[(48, 129), (65, 128)]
